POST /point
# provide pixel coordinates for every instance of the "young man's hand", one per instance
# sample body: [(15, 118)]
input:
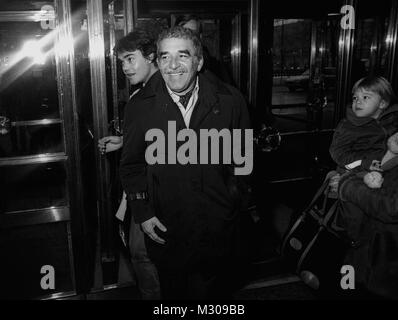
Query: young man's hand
[(110, 143), (149, 228)]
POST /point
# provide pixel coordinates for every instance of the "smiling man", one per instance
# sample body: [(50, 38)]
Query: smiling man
[(189, 212), (179, 61)]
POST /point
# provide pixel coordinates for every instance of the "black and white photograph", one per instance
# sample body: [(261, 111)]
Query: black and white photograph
[(199, 158)]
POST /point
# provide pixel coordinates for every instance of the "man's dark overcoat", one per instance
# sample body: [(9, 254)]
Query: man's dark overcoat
[(198, 203)]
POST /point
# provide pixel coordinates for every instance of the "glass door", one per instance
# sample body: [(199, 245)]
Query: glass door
[(304, 80), (39, 181), (102, 92), (294, 57)]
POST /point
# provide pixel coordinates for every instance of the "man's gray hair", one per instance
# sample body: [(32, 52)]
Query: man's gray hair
[(182, 33)]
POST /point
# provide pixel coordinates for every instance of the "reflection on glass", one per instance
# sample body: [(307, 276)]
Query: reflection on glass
[(31, 140), (291, 61), (370, 48), (304, 73), (32, 186), (24, 5), (28, 88)]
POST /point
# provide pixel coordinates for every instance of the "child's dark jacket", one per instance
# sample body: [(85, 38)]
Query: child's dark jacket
[(363, 139)]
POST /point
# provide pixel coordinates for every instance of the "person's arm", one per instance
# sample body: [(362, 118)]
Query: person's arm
[(380, 204), (133, 174), (345, 153), (133, 166)]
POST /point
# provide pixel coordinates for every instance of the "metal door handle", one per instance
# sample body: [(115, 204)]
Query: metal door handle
[(5, 125), (268, 139)]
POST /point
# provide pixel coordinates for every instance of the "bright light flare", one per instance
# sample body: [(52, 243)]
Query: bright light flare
[(235, 51), (39, 50), (64, 46), (97, 48), (389, 39), (32, 49)]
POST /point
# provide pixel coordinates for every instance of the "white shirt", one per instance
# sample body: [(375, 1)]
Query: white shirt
[(186, 112)]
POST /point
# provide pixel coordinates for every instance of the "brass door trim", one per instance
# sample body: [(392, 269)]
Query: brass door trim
[(100, 121), (391, 43), (41, 122), (33, 217), (33, 159), (344, 65), (26, 16), (253, 51)]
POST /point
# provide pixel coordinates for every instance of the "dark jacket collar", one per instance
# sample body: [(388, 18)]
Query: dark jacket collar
[(360, 121), (151, 86)]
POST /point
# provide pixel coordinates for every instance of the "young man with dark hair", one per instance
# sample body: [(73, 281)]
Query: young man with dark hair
[(137, 52)]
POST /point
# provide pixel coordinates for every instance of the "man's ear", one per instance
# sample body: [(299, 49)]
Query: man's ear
[(200, 64), (150, 58), (383, 104)]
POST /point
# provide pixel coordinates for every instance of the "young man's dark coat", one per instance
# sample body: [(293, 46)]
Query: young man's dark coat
[(197, 203)]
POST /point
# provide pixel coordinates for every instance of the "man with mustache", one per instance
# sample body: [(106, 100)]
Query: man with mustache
[(190, 213)]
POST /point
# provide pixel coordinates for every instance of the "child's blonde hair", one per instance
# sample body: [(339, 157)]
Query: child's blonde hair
[(377, 84)]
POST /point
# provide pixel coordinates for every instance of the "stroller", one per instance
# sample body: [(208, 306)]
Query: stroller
[(314, 246)]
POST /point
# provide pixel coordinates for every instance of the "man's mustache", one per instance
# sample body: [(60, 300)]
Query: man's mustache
[(175, 71)]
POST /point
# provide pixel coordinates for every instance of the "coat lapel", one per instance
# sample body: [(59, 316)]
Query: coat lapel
[(165, 106), (207, 100), (169, 109)]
